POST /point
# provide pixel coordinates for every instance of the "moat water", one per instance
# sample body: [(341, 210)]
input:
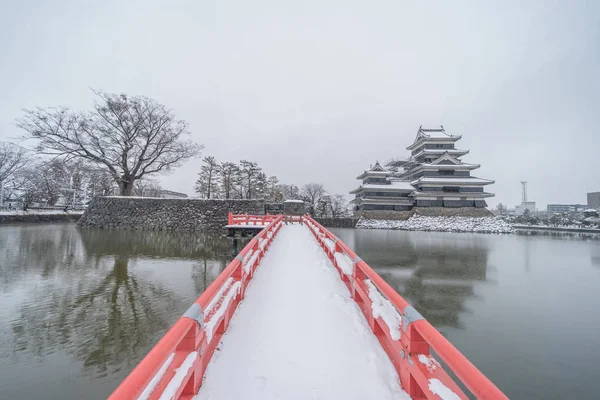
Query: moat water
[(80, 308)]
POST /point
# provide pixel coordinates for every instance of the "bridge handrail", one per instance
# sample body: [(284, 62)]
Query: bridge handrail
[(246, 219), (191, 341), (417, 334)]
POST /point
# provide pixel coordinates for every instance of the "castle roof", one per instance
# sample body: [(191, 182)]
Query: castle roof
[(436, 135)]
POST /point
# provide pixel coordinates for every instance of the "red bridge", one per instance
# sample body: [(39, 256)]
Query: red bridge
[(297, 315)]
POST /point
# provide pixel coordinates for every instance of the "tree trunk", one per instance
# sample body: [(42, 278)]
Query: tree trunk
[(125, 187)]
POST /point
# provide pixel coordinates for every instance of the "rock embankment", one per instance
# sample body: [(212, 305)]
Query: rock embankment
[(440, 224), (164, 214)]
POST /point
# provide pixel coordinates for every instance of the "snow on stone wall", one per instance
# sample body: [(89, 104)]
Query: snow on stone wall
[(440, 224), (164, 214)]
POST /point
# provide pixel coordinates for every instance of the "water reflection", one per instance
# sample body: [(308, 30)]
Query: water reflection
[(102, 297), (436, 274)]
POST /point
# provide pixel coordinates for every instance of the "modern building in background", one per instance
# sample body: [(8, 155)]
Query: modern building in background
[(565, 208), (433, 176), (593, 200), (527, 205), (168, 194)]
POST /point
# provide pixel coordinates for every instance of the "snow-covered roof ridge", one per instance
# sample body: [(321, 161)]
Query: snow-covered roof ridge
[(376, 170), (377, 167), (439, 133), (447, 157)]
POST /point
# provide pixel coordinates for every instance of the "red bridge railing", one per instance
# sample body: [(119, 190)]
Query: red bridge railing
[(175, 366), (245, 219), (406, 337)]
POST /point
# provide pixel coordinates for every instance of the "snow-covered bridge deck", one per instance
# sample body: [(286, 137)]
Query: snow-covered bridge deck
[(298, 334), (297, 314)]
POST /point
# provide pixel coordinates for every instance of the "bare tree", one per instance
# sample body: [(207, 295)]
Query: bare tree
[(129, 136), (250, 172), (207, 178), (100, 182), (12, 159), (228, 172), (312, 193), (41, 182), (290, 192), (501, 209), (338, 205), (274, 190)]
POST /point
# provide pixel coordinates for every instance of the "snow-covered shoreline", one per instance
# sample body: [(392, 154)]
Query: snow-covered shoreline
[(440, 224)]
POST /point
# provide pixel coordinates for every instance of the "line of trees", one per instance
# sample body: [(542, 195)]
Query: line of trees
[(116, 148), (27, 178), (247, 180)]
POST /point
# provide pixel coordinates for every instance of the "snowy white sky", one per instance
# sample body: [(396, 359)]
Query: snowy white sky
[(318, 90)]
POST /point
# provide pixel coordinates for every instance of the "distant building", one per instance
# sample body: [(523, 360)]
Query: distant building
[(565, 208), (433, 176), (528, 205), (593, 200), (168, 194)]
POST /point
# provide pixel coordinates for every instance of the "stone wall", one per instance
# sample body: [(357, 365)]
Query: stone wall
[(164, 214), (22, 218), (337, 222)]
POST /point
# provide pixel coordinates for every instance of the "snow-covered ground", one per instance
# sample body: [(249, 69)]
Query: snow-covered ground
[(440, 224), (39, 212), (298, 334)]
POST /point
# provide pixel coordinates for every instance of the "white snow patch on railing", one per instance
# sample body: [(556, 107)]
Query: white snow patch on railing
[(383, 308), (179, 376), (345, 263), (262, 243), (247, 257), (250, 262), (329, 243), (218, 296), (152, 385), (437, 387), (209, 326), (430, 362)]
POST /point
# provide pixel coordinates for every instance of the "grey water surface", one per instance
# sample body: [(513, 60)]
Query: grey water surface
[(79, 307)]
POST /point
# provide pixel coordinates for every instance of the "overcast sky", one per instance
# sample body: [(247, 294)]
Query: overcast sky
[(319, 90)]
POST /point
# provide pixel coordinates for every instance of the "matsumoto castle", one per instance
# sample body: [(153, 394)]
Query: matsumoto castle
[(433, 176)]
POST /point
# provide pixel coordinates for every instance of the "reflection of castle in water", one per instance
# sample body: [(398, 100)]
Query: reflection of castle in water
[(435, 273)]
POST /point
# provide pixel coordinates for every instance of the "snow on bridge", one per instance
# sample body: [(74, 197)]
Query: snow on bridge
[(297, 314), (299, 334)]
